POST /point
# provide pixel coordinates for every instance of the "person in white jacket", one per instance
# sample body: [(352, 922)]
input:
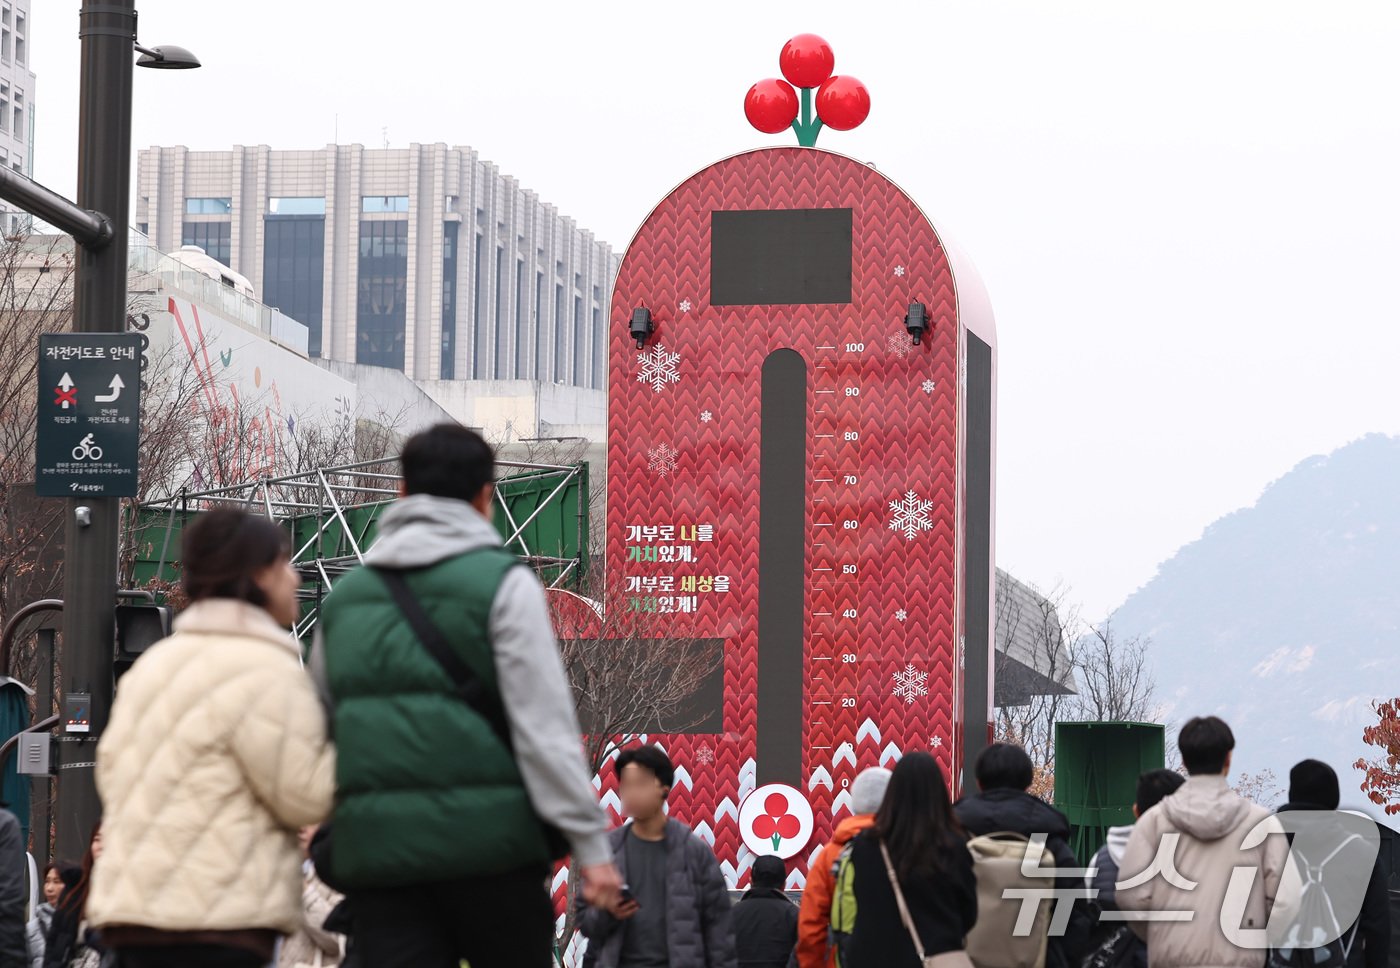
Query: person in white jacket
[(215, 757), (1184, 860)]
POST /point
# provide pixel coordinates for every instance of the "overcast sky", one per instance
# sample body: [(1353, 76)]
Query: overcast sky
[(1185, 213)]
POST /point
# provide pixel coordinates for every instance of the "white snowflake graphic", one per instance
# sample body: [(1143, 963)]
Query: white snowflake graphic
[(910, 684), (706, 416), (704, 755), (658, 367), (685, 305), (935, 741), (910, 515), (662, 458), (929, 386), (900, 344), (899, 270), (901, 615)]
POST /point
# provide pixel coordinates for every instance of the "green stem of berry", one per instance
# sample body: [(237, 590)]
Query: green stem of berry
[(807, 126)]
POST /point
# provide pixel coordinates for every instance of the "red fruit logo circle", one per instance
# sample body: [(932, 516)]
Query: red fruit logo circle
[(776, 819), (807, 61)]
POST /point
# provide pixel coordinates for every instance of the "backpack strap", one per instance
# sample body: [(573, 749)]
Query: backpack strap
[(480, 699)]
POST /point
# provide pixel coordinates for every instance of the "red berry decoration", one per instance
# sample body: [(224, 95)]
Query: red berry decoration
[(776, 805), (843, 102), (807, 60), (771, 105)]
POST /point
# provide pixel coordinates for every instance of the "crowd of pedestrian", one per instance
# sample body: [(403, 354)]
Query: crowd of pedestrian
[(402, 800)]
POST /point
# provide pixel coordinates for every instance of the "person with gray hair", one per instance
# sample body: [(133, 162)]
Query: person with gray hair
[(814, 918)]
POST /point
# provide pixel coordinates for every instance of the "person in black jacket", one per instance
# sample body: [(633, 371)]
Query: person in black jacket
[(929, 850), (1313, 786), (765, 921), (676, 911), (1004, 774), (14, 947)]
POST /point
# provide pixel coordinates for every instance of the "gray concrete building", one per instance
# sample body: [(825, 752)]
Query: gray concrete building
[(426, 259), (17, 83)]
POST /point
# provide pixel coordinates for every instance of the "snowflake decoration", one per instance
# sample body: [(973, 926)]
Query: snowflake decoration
[(929, 386), (910, 515), (662, 459), (935, 741), (899, 271), (706, 416), (685, 305), (900, 344), (901, 615), (910, 684), (658, 367), (704, 755)]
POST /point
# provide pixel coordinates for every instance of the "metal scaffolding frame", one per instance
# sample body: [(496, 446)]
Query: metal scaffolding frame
[(327, 494)]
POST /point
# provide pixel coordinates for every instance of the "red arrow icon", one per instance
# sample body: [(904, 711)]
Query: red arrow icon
[(66, 394)]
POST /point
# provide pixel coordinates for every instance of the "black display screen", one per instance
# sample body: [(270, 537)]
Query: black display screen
[(772, 256)]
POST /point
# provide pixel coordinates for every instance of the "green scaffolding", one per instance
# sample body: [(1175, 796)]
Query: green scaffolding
[(332, 515)]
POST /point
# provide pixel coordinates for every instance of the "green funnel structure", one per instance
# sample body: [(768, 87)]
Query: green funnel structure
[(1097, 766)]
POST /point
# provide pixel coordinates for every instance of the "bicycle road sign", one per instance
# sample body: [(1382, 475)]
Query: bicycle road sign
[(89, 430)]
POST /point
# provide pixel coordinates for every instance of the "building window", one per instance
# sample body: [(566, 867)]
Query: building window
[(19, 38), (541, 344), (479, 310), (580, 344), (502, 337), (381, 317), (520, 306), (599, 349), (208, 206), (5, 44), (294, 259), (19, 123), (561, 345), (383, 203), (447, 369), (297, 205), (212, 237), (4, 107)]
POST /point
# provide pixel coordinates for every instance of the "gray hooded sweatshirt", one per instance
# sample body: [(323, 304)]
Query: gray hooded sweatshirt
[(422, 530)]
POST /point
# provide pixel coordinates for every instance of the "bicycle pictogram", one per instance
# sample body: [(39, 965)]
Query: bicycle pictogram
[(87, 450)]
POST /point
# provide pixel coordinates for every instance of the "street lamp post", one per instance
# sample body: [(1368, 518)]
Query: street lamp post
[(98, 222), (107, 30)]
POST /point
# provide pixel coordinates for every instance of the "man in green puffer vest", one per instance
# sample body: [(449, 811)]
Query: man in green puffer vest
[(438, 832)]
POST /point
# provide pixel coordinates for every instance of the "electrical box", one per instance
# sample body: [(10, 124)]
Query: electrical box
[(34, 754)]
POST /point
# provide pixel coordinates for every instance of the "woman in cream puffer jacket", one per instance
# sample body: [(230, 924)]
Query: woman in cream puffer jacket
[(216, 754)]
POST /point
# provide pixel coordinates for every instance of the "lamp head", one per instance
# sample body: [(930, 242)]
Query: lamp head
[(169, 58)]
